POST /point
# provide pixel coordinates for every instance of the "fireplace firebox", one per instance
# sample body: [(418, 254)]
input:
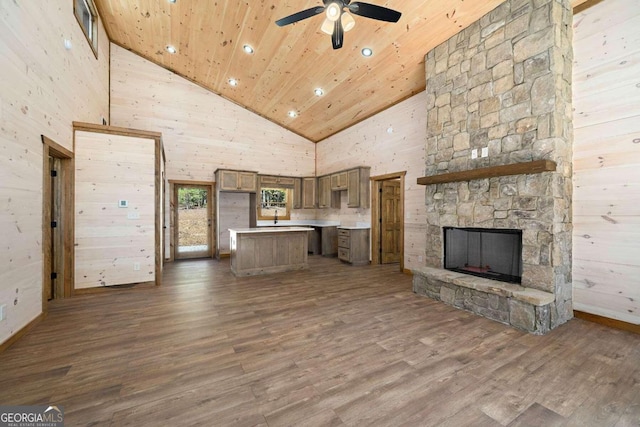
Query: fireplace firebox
[(485, 252)]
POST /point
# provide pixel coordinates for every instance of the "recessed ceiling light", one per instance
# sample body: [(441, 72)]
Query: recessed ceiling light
[(233, 82), (171, 49), (293, 114), (318, 92), (248, 49), (367, 51)]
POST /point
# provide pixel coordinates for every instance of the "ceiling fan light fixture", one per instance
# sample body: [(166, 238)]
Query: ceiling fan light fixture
[(248, 49), (347, 22), (333, 12), (367, 52), (327, 27)]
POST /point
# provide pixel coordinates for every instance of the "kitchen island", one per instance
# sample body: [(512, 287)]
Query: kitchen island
[(267, 250), (322, 241)]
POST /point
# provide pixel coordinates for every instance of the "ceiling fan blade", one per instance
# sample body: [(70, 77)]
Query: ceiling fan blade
[(308, 13), (338, 34), (374, 12)]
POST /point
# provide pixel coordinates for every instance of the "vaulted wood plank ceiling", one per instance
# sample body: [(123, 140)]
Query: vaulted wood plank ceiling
[(290, 62)]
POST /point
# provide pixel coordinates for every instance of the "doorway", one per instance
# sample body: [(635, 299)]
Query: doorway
[(390, 224), (192, 220), (387, 219), (57, 221)]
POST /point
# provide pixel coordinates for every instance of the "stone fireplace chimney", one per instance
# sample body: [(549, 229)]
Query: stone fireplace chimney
[(504, 85)]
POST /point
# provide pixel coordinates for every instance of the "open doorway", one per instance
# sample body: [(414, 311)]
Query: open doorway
[(387, 219), (192, 220), (57, 221)]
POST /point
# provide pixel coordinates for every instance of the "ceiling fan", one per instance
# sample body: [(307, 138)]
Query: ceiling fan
[(338, 20)]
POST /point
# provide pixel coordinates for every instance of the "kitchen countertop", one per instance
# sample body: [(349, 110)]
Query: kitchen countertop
[(354, 227), (268, 230), (297, 223)]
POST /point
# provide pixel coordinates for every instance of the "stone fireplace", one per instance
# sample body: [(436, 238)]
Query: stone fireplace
[(502, 87)]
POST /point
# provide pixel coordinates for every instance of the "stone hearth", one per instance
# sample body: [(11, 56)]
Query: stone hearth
[(504, 84)]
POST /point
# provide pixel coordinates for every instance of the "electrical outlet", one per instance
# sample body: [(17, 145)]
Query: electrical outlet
[(136, 266), (3, 312), (485, 151), (133, 215), (419, 258), (474, 153)]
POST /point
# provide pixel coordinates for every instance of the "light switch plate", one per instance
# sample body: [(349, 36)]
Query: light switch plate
[(123, 203), (485, 151), (3, 312), (474, 153)]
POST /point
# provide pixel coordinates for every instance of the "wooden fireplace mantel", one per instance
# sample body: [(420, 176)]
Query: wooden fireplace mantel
[(537, 166)]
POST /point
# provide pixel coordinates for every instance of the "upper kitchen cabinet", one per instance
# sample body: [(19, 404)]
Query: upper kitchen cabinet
[(339, 181), (309, 193), (297, 193), (277, 181), (358, 187), (235, 180), (326, 197)]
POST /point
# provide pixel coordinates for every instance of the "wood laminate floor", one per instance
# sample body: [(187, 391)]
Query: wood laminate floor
[(334, 345)]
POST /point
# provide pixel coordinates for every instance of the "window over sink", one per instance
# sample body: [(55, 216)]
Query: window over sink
[(275, 203)]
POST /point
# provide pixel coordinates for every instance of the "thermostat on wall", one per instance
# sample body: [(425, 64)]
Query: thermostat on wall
[(123, 203)]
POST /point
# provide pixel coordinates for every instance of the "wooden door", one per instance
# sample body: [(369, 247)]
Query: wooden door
[(58, 223), (391, 222), (193, 221)]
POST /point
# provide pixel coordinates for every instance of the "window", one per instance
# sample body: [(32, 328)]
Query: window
[(87, 17), (275, 203)]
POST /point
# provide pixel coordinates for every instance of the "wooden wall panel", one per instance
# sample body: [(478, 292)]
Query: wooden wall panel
[(606, 160), (43, 88), (110, 168), (201, 131), (391, 141), (234, 213)]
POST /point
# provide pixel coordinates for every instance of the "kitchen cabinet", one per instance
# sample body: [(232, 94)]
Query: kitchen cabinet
[(339, 181), (324, 241), (353, 245), (236, 180), (358, 187), (277, 181), (297, 193), (326, 197), (309, 193)]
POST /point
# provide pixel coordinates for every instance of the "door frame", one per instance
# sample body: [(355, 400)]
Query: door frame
[(173, 216), (66, 189), (376, 215)]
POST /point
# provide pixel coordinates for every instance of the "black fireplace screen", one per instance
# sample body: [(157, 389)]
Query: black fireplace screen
[(492, 253)]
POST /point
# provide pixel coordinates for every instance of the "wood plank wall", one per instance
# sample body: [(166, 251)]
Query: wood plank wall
[(370, 143), (201, 131), (110, 168), (606, 156), (43, 89), (234, 213)]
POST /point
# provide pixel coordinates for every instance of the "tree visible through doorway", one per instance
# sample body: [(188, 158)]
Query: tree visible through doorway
[(193, 221)]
